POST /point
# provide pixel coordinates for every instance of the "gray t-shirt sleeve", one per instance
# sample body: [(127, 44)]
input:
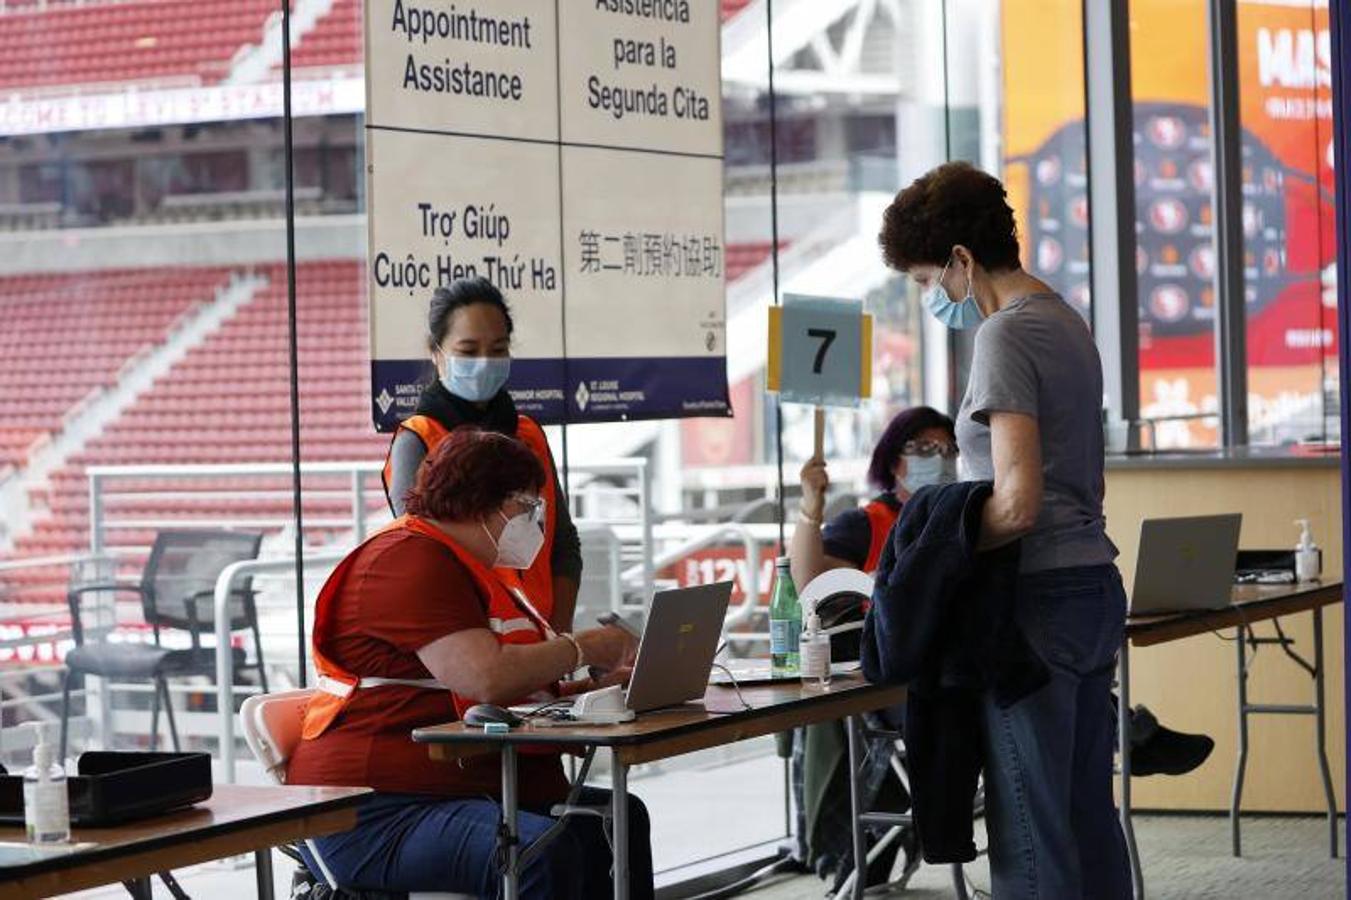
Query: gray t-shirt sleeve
[(1003, 373), (405, 457)]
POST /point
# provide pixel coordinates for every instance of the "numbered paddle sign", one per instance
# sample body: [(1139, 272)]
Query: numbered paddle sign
[(820, 351)]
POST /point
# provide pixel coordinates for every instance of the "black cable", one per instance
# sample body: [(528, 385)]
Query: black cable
[(562, 269), (736, 686), (774, 252), (294, 348), (543, 707)]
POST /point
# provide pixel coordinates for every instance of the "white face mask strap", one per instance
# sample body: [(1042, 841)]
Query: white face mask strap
[(970, 283), (484, 525), (944, 274)]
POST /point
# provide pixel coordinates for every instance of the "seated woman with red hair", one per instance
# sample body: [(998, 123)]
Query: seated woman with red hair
[(422, 621)]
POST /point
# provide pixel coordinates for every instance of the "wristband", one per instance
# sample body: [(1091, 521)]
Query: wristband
[(808, 517), (581, 657)]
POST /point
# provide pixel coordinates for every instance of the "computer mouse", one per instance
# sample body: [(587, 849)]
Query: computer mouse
[(483, 713)]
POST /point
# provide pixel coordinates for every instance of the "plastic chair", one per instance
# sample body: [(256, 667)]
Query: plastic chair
[(177, 591), (272, 725)]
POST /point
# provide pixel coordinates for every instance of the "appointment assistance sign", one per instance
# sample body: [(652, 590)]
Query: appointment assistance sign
[(571, 152)]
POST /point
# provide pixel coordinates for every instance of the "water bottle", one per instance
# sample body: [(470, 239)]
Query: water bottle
[(785, 622)]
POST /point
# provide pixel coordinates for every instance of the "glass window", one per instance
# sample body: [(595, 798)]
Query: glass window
[(1176, 255), (1285, 58), (143, 188), (144, 357), (852, 119), (1044, 149)]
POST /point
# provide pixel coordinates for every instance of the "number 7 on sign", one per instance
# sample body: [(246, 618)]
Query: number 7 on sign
[(820, 351), (827, 337)]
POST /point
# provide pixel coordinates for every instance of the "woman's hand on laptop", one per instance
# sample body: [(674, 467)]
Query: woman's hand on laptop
[(607, 648), (618, 676)]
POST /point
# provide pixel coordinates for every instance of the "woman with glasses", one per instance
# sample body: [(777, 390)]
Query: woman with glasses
[(918, 447), (469, 330), (415, 627)]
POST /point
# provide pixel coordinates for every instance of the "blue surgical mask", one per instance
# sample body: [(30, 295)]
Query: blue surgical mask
[(476, 378), (922, 471), (958, 315)]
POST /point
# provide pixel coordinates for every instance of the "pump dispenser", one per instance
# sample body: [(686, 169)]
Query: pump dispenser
[(814, 648), (46, 806), (1308, 558)]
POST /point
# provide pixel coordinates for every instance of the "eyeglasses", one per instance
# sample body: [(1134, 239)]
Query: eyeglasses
[(929, 448), (535, 506)]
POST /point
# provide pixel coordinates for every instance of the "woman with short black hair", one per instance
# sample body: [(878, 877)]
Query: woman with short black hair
[(469, 331)]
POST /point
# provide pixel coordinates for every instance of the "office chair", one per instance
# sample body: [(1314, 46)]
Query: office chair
[(177, 591)]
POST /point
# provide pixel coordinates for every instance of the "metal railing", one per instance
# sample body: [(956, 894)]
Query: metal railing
[(616, 494), (363, 491), (597, 489), (363, 479), (225, 675)]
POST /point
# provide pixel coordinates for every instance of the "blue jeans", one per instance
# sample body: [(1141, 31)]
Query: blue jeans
[(1054, 831), (409, 842)]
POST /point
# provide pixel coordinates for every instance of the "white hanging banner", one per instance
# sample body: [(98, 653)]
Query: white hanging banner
[(571, 152)]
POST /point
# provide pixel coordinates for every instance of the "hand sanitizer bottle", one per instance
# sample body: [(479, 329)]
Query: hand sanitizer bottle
[(814, 650), (1308, 558), (46, 806)]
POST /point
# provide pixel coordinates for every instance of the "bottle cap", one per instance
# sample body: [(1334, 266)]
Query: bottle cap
[(783, 562)]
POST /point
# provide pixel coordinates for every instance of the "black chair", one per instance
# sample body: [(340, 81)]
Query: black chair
[(177, 591)]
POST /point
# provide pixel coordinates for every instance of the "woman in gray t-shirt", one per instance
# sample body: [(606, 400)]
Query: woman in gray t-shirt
[(1031, 422)]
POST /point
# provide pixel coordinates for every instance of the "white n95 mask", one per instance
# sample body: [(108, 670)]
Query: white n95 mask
[(521, 540)]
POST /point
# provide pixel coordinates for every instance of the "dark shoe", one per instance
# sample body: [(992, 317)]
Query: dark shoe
[(1156, 750)]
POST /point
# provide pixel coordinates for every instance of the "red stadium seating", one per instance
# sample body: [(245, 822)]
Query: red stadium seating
[(188, 41), (226, 401), (741, 258), (66, 335), (181, 41), (731, 7), (335, 40)]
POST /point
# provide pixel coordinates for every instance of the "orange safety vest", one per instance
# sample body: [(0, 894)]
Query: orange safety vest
[(537, 581), (881, 516), (511, 618)]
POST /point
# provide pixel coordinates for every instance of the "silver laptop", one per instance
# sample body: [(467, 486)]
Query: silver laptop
[(675, 651), (675, 654), (1185, 564)]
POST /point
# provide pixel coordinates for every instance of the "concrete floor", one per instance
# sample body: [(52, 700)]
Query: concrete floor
[(1183, 857)]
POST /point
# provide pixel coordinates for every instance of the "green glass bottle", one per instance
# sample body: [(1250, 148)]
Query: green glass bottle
[(785, 622)]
